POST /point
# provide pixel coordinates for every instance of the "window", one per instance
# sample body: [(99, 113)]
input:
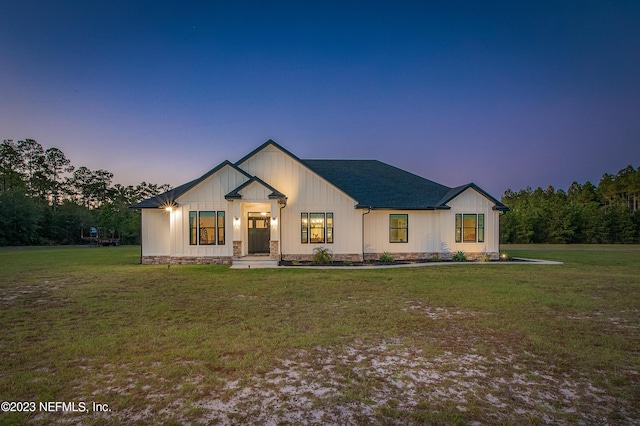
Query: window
[(220, 230), (316, 228), (193, 228), (204, 226), (207, 228), (304, 228), (398, 228), (469, 228)]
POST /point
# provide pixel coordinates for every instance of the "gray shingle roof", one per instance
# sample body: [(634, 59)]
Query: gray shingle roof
[(166, 198), (378, 185), (372, 183), (169, 197)]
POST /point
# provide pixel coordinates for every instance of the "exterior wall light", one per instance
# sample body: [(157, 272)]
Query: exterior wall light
[(236, 222), (170, 206)]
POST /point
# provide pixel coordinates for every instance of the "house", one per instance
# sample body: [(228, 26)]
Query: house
[(274, 204)]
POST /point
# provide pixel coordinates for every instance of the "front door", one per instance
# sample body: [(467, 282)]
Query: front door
[(259, 233)]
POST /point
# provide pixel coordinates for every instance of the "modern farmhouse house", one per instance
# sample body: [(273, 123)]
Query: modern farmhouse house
[(274, 204)]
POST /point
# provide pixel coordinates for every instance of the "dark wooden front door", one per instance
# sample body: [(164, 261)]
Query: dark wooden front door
[(259, 233)]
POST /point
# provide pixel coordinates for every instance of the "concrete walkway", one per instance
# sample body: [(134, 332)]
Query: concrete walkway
[(521, 261)]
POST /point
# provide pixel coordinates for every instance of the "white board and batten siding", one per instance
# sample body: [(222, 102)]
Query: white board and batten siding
[(309, 193), (430, 231), (471, 201), (208, 195), (423, 236), (155, 232)]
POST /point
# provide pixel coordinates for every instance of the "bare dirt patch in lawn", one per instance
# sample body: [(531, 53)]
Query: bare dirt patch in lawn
[(389, 382), (464, 378)]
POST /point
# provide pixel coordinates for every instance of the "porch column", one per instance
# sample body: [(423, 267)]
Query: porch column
[(236, 213), (274, 240)]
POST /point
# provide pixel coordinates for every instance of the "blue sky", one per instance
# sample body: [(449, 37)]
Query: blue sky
[(503, 94)]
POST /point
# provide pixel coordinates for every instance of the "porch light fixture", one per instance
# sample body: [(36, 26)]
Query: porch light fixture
[(274, 221), (170, 206), (236, 222)]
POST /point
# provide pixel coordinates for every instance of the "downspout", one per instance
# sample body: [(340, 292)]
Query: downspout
[(363, 214), (141, 237), (282, 206)]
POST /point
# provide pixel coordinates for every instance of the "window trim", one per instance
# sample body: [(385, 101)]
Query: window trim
[(321, 228), (193, 228), (328, 236), (304, 228), (205, 228), (406, 228), (218, 229), (459, 227), (220, 241)]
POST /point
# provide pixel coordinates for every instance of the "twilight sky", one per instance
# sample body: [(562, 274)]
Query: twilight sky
[(504, 94)]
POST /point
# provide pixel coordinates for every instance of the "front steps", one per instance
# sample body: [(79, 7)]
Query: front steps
[(253, 262)]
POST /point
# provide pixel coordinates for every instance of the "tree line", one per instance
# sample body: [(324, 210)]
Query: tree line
[(607, 213), (44, 199)]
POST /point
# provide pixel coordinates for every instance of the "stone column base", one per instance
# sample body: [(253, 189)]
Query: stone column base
[(237, 249), (274, 249)]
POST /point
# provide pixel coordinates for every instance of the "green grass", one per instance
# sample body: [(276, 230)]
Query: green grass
[(91, 324)]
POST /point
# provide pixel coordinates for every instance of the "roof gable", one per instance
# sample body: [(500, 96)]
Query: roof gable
[(371, 183), (236, 193), (270, 142), (169, 197), (454, 192)]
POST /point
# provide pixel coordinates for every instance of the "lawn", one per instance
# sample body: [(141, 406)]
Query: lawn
[(451, 344)]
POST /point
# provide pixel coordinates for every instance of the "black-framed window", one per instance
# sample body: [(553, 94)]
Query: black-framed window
[(316, 228), (220, 228), (469, 228), (398, 228), (193, 228), (206, 228), (304, 228)]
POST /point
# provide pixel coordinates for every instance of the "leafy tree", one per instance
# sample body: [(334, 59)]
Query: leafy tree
[(57, 164), (619, 224), (607, 213), (89, 188), (11, 166), (34, 162), (40, 203), (19, 218)]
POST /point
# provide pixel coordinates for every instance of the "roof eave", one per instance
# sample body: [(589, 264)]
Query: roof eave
[(366, 206)]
